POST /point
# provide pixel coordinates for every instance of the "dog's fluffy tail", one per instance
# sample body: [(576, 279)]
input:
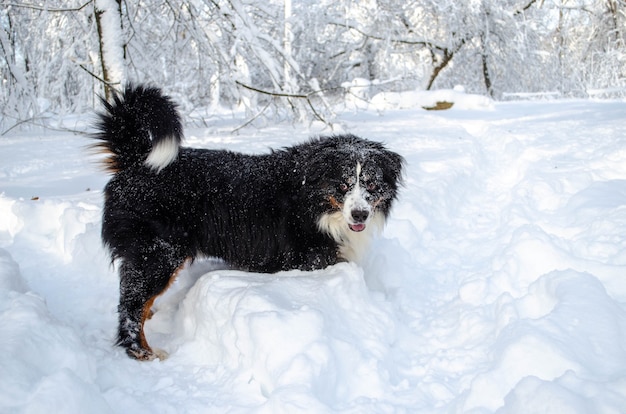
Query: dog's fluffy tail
[(140, 126)]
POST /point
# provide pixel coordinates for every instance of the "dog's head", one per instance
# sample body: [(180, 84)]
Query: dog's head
[(356, 182)]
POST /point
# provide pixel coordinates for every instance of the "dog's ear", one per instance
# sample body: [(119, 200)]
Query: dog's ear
[(393, 166), (320, 163)]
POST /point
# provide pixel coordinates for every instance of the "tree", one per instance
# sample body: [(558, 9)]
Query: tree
[(108, 15), (17, 94), (289, 59)]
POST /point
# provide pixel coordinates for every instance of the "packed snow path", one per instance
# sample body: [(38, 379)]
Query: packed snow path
[(499, 284)]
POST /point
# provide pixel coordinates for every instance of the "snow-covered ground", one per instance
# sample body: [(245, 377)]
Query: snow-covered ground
[(499, 284)]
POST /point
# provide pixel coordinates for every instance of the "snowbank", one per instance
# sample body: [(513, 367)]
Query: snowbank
[(498, 285), (360, 96), (314, 339), (450, 98)]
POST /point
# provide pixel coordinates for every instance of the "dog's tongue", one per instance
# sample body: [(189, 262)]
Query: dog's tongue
[(357, 227)]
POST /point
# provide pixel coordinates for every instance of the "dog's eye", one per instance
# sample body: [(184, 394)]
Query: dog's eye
[(371, 186), (343, 187)]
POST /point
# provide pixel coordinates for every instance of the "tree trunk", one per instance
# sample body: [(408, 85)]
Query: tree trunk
[(108, 14), (287, 81), (447, 57), (614, 11), (445, 60), (486, 76)]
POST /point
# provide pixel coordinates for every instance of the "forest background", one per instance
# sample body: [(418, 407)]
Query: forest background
[(296, 59)]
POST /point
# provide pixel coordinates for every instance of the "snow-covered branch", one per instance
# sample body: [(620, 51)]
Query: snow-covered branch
[(203, 51)]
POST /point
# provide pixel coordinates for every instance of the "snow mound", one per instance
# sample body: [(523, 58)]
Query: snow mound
[(430, 99), (361, 95), (288, 336), (10, 278), (44, 363)]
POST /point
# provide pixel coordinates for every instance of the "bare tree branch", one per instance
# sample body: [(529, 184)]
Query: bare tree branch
[(526, 7), (41, 8), (288, 95)]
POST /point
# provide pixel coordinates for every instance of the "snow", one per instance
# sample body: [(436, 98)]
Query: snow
[(359, 91), (497, 286), (429, 99)]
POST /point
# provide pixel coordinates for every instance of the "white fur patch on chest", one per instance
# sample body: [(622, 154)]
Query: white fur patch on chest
[(352, 245)]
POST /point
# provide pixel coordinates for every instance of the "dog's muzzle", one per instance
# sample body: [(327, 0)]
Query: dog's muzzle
[(359, 217)]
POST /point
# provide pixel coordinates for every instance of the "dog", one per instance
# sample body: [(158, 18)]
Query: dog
[(303, 207)]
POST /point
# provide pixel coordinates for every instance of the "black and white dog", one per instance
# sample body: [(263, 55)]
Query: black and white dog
[(303, 207)]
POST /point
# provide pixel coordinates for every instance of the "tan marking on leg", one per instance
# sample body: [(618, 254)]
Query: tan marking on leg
[(147, 313)]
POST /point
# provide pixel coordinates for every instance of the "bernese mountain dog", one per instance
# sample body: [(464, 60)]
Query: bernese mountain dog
[(302, 207)]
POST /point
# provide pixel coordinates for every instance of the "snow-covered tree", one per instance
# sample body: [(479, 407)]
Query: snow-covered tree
[(290, 58), (108, 15)]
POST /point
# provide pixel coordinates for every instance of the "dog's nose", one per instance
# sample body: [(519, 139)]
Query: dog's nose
[(360, 216)]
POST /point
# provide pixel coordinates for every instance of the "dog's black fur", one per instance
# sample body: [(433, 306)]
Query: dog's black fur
[(287, 209)]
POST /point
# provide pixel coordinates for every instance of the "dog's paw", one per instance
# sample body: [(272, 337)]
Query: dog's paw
[(161, 354), (147, 354)]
